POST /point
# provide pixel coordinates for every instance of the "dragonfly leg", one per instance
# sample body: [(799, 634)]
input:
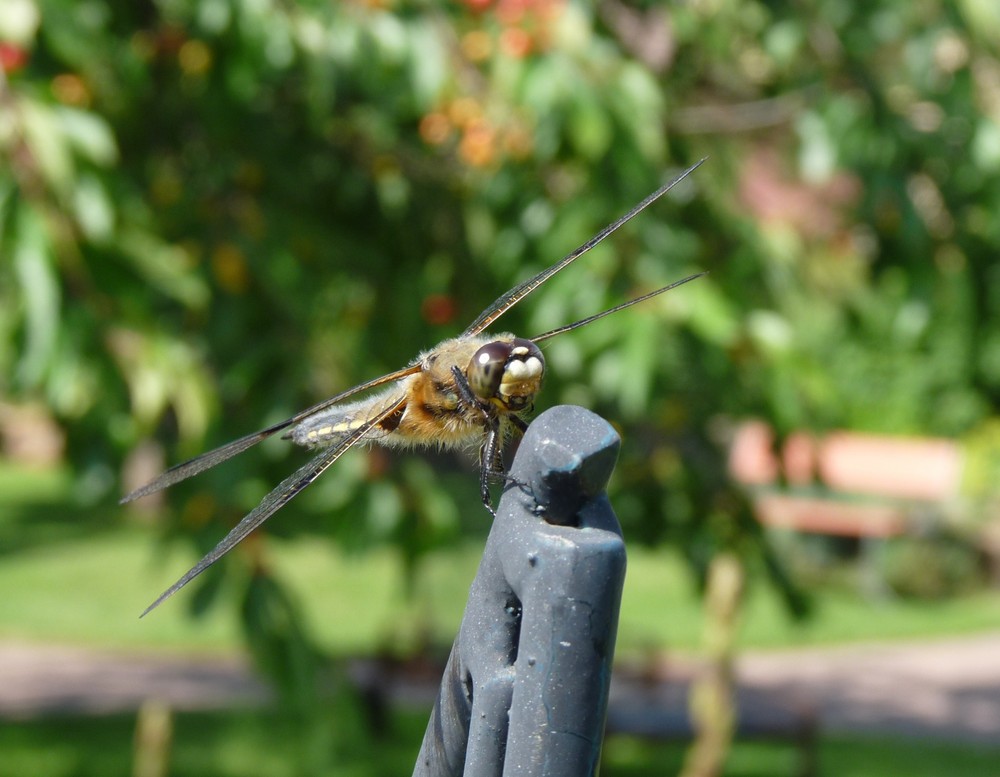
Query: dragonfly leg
[(490, 450), (489, 455), (467, 398), (491, 465), (499, 471)]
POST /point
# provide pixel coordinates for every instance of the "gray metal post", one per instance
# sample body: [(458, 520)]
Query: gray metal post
[(525, 690)]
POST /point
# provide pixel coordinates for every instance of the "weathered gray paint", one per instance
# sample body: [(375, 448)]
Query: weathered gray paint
[(525, 690)]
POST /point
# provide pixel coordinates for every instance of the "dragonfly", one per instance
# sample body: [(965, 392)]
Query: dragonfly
[(473, 388)]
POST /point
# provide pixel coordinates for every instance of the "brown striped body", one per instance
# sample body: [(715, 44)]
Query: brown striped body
[(433, 412)]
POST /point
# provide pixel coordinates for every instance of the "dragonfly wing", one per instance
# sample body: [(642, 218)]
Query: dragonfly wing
[(275, 500), (208, 460), (590, 319), (183, 471), (515, 295)]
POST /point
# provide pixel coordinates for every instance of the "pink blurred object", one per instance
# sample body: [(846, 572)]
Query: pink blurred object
[(905, 467), (848, 464)]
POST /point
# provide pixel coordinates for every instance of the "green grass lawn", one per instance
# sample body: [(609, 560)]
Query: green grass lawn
[(263, 744), (839, 756), (90, 589)]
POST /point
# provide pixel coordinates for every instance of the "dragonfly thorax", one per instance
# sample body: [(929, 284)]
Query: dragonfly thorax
[(507, 373)]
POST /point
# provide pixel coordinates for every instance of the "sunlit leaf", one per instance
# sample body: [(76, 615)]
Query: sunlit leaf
[(49, 146), (167, 268), (18, 21), (39, 290), (88, 134), (94, 210)]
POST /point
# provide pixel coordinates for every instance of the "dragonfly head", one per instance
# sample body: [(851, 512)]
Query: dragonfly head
[(507, 373)]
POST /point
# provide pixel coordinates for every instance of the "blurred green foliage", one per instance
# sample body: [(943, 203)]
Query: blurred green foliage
[(932, 567), (214, 213)]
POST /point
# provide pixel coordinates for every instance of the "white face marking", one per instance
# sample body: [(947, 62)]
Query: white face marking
[(518, 371)]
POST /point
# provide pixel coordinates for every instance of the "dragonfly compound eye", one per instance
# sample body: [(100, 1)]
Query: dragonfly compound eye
[(507, 373), (486, 369)]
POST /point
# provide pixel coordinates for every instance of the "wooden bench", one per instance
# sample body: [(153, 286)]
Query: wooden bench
[(844, 483)]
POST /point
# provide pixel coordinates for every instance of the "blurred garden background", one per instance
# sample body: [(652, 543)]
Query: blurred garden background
[(215, 213)]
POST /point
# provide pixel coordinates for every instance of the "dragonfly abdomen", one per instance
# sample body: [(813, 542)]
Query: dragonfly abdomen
[(430, 416), (329, 427)]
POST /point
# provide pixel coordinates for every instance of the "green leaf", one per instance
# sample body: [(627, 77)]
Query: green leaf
[(34, 266), (986, 145), (88, 134), (168, 268), (589, 126), (94, 210), (48, 145), (18, 21), (983, 16)]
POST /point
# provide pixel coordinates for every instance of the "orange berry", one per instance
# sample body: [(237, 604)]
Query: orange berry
[(435, 128), (477, 45), (515, 42)]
